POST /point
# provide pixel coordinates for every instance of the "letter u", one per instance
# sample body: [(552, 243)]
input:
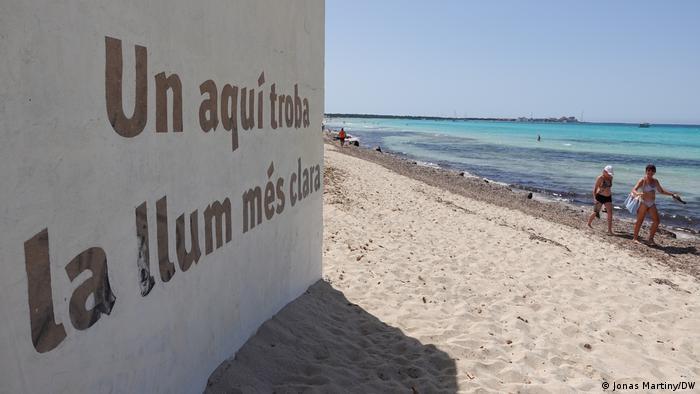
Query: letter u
[(124, 126)]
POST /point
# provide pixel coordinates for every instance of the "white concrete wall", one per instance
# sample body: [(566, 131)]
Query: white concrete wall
[(64, 168)]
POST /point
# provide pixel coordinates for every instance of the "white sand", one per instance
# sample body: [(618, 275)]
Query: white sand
[(475, 298)]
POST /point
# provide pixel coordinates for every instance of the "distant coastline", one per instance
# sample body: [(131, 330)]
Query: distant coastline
[(563, 119), (570, 119)]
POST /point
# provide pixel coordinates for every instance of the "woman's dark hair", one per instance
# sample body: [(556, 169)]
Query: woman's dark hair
[(651, 167)]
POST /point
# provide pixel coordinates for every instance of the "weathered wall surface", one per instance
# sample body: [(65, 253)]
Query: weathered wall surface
[(160, 185)]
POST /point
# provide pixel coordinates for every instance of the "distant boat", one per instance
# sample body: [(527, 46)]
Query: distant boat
[(644, 125)]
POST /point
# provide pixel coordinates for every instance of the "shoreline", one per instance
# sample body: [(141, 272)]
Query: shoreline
[(551, 197), (563, 165), (678, 252), (548, 195), (425, 289)]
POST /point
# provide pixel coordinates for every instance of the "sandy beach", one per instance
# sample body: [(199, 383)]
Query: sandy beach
[(434, 282)]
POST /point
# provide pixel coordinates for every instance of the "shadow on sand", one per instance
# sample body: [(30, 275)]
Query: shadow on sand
[(321, 342), (620, 234), (670, 249), (677, 249)]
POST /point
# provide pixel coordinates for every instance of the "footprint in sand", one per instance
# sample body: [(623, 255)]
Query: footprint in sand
[(571, 330), (511, 376), (413, 372), (650, 309)]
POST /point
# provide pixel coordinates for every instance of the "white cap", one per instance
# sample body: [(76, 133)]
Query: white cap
[(609, 170)]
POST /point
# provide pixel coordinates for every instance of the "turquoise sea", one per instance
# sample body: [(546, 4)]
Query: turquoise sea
[(563, 164)]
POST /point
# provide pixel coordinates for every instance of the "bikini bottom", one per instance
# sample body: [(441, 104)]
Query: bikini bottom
[(603, 199)]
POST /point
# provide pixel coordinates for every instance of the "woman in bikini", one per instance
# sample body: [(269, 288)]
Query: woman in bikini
[(602, 195), (649, 186)]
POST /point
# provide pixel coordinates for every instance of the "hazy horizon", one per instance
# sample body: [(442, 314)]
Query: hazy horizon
[(475, 117), (621, 62)]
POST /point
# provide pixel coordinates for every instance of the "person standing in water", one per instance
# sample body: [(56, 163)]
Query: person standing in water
[(602, 196), (649, 186)]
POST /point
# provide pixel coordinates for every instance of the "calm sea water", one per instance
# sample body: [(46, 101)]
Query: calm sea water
[(563, 164)]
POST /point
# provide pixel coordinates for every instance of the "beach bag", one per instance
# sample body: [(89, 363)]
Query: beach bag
[(632, 204)]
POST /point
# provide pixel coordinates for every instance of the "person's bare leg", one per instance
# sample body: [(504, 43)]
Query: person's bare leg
[(596, 210), (641, 212), (609, 209), (590, 219), (654, 224)]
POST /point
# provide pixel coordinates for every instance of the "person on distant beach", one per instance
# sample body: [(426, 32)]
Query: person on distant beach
[(341, 136), (649, 186), (602, 196), (538, 138)]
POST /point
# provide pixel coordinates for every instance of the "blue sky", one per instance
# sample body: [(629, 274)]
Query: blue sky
[(617, 61)]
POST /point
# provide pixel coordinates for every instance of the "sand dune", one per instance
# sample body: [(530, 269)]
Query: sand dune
[(429, 291)]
